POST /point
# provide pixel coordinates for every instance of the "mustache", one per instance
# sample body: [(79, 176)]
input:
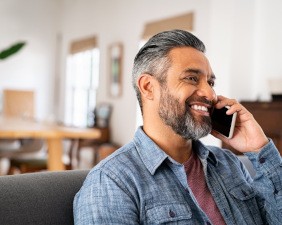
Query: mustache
[(199, 99)]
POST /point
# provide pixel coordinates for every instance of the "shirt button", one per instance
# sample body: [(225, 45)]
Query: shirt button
[(171, 213), (262, 160)]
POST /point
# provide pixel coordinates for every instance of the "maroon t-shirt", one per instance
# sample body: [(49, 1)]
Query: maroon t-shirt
[(197, 183)]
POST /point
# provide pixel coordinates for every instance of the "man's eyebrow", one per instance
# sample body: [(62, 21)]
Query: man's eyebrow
[(198, 72), (213, 76), (192, 70)]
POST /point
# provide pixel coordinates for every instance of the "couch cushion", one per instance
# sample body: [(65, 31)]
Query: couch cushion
[(39, 198)]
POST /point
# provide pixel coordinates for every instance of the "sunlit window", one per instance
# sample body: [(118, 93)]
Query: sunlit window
[(82, 83)]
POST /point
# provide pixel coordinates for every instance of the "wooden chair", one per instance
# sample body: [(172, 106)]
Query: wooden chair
[(21, 103), (102, 115), (25, 159), (18, 103), (105, 150), (77, 145)]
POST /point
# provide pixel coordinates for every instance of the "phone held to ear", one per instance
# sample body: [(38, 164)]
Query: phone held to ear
[(222, 123)]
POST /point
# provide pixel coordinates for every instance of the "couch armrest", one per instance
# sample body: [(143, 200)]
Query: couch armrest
[(39, 198)]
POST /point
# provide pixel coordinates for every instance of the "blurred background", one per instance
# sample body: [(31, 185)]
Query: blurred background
[(79, 53)]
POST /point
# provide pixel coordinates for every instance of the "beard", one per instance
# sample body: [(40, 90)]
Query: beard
[(182, 120)]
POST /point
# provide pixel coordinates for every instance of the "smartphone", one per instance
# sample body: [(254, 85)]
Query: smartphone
[(223, 123)]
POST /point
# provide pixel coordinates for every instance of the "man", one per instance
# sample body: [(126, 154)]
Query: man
[(166, 175)]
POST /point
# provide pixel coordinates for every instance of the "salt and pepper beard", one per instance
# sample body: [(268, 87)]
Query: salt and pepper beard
[(182, 120)]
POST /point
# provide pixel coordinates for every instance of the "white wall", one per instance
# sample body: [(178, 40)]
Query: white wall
[(246, 47), (242, 40), (33, 67), (268, 48)]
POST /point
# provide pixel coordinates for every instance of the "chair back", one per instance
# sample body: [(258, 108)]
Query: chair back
[(18, 103)]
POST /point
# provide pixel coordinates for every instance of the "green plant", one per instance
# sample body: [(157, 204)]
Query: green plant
[(11, 50)]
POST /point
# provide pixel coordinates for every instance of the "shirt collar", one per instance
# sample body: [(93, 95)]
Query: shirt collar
[(150, 153), (153, 156), (205, 152)]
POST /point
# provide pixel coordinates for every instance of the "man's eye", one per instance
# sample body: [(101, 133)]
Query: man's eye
[(211, 83), (192, 78)]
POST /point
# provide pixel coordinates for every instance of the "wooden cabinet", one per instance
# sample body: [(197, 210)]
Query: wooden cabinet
[(269, 116)]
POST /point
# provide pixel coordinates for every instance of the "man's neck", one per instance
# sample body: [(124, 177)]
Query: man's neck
[(171, 143)]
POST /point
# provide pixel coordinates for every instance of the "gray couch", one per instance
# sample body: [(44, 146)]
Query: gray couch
[(39, 198)]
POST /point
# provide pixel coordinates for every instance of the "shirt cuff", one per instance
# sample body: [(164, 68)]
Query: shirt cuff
[(267, 159)]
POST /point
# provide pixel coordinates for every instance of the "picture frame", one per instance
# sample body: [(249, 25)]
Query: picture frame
[(116, 55), (102, 115)]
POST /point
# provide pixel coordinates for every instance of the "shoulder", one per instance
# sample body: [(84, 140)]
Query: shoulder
[(232, 164), (225, 157), (124, 156), (124, 163), (223, 154), (214, 153)]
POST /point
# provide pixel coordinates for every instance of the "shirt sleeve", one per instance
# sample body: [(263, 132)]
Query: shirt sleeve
[(268, 181), (103, 199)]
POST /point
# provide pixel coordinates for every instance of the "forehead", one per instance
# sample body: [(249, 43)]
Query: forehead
[(183, 58)]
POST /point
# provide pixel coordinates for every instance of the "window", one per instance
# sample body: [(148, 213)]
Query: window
[(81, 84), (184, 22)]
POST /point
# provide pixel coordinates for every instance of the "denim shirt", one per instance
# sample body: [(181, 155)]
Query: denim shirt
[(141, 184)]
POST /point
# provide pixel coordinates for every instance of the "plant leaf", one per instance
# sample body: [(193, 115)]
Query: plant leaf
[(11, 50)]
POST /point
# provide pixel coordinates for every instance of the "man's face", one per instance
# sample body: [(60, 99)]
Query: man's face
[(187, 96)]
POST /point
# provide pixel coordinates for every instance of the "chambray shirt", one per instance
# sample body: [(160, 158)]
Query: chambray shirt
[(141, 184)]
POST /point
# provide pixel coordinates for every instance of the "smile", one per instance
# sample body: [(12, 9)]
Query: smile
[(200, 108)]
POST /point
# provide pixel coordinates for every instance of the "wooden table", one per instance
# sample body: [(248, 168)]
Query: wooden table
[(14, 128)]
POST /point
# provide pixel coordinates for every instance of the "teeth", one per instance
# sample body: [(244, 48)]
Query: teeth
[(199, 107)]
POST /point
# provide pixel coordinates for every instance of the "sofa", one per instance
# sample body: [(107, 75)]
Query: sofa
[(39, 198)]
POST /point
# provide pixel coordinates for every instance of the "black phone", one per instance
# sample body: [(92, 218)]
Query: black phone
[(223, 123)]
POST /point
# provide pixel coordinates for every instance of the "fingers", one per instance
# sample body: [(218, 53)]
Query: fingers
[(232, 104)]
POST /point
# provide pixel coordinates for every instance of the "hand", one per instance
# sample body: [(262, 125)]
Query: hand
[(248, 135)]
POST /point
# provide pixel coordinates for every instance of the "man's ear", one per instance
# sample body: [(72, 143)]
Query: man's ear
[(146, 84)]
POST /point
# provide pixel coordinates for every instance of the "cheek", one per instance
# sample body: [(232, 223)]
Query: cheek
[(187, 93), (157, 94)]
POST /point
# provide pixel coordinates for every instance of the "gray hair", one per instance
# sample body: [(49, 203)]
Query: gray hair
[(153, 58)]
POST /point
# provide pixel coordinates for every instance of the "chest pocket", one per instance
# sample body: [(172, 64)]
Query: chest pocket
[(243, 192), (172, 213)]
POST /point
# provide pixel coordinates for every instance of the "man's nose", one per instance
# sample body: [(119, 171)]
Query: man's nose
[(206, 91)]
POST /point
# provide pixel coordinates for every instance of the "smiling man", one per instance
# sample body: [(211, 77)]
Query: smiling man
[(165, 175)]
